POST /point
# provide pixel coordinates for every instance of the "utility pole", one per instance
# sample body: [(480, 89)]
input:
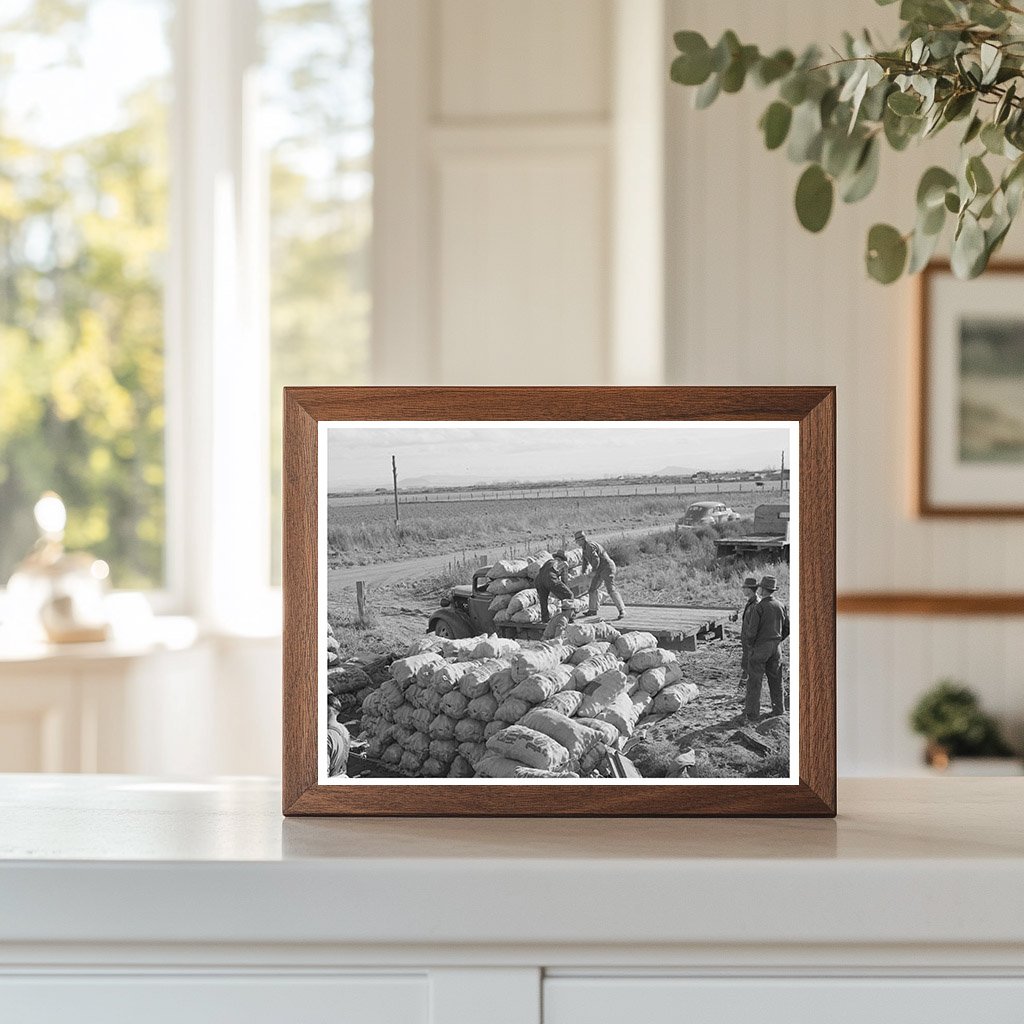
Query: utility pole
[(782, 472), (394, 476)]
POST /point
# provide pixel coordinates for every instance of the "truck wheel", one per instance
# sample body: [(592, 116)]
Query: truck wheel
[(450, 627)]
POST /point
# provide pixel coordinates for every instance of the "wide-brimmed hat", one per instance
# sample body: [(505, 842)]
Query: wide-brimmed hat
[(580, 533), (768, 583), (559, 554), (750, 581)]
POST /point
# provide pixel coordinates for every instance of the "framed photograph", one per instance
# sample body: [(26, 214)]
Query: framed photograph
[(559, 601), (971, 393)]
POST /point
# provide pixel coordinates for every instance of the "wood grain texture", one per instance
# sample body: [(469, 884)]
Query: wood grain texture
[(812, 407), (926, 508), (926, 603)]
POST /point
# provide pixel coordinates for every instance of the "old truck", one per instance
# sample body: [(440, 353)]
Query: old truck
[(464, 612), (769, 541)]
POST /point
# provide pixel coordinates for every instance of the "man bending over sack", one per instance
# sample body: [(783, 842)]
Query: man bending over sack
[(596, 558), (556, 627), (765, 628), (553, 578)]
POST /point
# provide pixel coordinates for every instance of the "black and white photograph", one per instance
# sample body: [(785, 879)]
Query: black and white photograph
[(505, 602)]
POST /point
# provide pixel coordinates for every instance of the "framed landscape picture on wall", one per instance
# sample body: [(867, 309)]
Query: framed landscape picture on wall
[(559, 601), (970, 452)]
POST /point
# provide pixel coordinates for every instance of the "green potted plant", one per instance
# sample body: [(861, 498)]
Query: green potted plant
[(950, 718), (956, 62)]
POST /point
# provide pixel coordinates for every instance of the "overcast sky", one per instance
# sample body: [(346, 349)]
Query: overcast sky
[(360, 457)]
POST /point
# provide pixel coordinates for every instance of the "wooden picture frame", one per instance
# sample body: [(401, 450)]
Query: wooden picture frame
[(935, 475), (811, 791)]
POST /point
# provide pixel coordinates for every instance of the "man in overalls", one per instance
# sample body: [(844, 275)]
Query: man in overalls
[(553, 578), (766, 627), (750, 593), (600, 562)]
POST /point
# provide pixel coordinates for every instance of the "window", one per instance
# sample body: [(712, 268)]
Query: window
[(236, 212), (83, 236), (317, 116)]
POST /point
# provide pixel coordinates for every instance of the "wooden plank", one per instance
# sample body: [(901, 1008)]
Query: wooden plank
[(929, 603)]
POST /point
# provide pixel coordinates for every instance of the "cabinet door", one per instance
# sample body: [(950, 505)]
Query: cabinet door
[(576, 1000), (206, 999)]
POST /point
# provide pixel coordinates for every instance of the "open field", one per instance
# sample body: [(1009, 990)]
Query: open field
[(663, 567), (359, 534)]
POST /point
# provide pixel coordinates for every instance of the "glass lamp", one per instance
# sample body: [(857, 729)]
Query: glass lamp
[(60, 595)]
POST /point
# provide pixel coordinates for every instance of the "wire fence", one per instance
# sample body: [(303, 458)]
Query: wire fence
[(600, 491)]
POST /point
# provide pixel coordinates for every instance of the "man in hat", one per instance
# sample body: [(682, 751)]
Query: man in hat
[(765, 628), (602, 567), (750, 593), (556, 627), (553, 578)]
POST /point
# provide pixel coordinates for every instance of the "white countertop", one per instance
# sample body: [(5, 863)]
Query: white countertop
[(123, 859)]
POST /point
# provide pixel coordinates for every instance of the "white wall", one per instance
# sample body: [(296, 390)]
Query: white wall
[(506, 134), (754, 299), (525, 139)]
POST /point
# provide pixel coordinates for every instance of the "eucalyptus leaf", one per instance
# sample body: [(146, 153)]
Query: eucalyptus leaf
[(973, 130), (775, 123), (814, 196), (991, 60), (707, 93), (922, 248), (865, 173), (840, 152), (1005, 104), (968, 248), (932, 221), (794, 88), (931, 190), (724, 51), (978, 176), (771, 69), (805, 133), (993, 138), (904, 103), (886, 253), (987, 15), (735, 74)]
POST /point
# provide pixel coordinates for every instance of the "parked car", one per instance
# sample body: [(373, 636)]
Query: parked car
[(707, 513)]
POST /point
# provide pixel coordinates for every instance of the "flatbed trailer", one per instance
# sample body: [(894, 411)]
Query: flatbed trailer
[(677, 627), (757, 546)]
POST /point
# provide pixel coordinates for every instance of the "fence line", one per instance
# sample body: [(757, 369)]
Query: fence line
[(561, 493)]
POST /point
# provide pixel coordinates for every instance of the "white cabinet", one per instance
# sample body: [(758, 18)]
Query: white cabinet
[(127, 899), (205, 999), (824, 1000)]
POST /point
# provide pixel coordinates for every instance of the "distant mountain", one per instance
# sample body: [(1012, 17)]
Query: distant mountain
[(673, 471), (440, 480)]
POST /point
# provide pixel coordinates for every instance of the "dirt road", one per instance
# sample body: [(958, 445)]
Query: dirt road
[(416, 568)]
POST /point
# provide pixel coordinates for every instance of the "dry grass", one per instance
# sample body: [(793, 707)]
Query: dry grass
[(681, 568), (356, 531)]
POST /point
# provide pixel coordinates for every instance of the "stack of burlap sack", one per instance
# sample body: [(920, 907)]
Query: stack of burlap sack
[(515, 597), (495, 708), (347, 682)]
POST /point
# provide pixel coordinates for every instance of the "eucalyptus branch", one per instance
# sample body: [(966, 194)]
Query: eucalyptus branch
[(955, 61)]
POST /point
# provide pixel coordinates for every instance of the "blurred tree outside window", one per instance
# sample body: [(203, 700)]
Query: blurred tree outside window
[(317, 123), (84, 102)]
